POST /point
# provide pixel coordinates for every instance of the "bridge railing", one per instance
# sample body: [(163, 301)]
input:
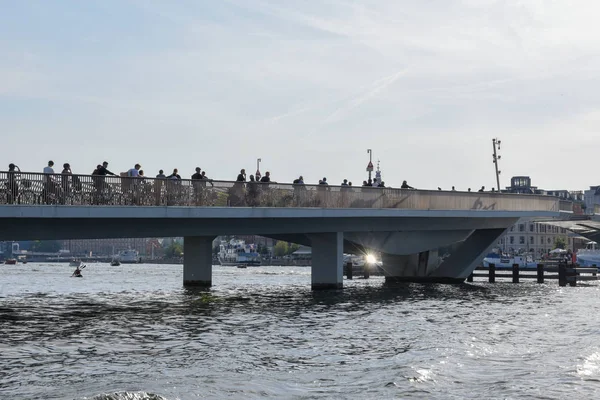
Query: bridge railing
[(57, 189)]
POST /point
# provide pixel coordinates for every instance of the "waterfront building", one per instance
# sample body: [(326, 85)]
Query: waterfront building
[(106, 247), (592, 199), (537, 238)]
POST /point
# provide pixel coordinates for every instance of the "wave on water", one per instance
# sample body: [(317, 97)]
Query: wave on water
[(129, 396)]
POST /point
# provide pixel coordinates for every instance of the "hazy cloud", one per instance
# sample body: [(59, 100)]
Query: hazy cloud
[(306, 86)]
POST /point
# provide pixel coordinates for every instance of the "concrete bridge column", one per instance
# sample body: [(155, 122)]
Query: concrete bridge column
[(468, 256), (327, 260), (410, 267), (197, 260)]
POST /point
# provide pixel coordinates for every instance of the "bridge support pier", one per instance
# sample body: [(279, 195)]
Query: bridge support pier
[(411, 267), (197, 261), (327, 260), (468, 256)]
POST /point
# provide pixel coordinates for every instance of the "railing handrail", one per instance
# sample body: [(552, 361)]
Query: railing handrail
[(292, 185), (21, 187)]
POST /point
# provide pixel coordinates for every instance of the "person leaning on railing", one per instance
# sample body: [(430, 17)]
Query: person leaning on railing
[(98, 179)]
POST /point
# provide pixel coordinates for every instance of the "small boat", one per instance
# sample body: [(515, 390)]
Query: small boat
[(129, 257), (237, 253), (590, 256), (115, 263), (241, 266), (10, 261), (504, 261), (75, 263)]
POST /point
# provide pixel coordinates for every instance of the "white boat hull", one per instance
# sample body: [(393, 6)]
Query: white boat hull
[(508, 263), (588, 260), (237, 263)]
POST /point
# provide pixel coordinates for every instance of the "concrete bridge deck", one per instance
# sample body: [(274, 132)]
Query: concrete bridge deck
[(406, 226)]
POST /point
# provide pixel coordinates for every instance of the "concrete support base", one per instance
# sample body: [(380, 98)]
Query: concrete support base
[(422, 279), (327, 260), (197, 261), (469, 255), (405, 267)]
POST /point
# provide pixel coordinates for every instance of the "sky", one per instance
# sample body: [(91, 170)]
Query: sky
[(307, 87)]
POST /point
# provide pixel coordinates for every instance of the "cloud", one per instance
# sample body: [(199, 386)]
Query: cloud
[(307, 86)]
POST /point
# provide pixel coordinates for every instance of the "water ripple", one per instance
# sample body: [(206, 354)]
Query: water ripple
[(135, 333)]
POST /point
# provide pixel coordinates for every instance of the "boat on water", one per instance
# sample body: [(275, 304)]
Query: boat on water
[(505, 261), (590, 256), (129, 257), (74, 263), (237, 253), (10, 261), (115, 263)]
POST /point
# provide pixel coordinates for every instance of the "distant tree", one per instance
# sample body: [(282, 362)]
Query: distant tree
[(174, 250), (280, 249), (560, 243), (292, 247), (45, 246)]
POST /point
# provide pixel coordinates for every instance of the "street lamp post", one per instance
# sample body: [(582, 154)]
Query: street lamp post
[(370, 166), (257, 175), (496, 143)]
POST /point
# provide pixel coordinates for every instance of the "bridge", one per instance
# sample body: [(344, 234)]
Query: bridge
[(407, 226)]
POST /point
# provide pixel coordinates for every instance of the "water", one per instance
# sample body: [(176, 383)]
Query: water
[(133, 332)]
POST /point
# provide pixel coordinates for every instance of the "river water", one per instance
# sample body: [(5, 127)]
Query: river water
[(133, 332)]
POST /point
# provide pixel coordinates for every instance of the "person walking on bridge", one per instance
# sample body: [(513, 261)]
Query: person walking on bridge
[(50, 189), (11, 183), (65, 181), (173, 187), (197, 184)]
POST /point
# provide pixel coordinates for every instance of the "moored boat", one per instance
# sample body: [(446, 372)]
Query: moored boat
[(590, 256), (10, 261), (504, 261), (236, 253), (129, 257)]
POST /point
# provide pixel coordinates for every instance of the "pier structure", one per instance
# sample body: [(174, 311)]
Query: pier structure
[(406, 226)]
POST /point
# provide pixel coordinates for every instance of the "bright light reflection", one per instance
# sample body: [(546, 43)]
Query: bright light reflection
[(371, 259)]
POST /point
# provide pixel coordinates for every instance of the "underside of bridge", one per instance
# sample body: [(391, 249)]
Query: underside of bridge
[(412, 256), (407, 239)]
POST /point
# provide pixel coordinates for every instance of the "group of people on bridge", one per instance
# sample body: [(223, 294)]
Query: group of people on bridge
[(56, 187)]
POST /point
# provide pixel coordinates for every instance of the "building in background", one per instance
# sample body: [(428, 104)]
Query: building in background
[(592, 199), (106, 247), (535, 238)]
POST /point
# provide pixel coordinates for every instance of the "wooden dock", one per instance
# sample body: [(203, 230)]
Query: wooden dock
[(565, 273)]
